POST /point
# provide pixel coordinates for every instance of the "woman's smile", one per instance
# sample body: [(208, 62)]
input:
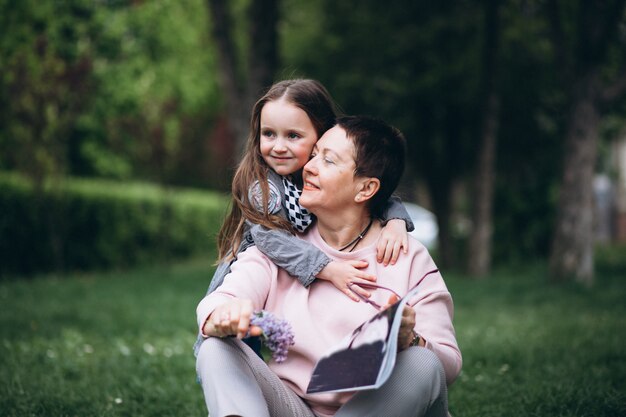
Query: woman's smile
[(310, 186)]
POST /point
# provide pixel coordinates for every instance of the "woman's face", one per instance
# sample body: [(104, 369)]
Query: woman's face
[(328, 177), (287, 136)]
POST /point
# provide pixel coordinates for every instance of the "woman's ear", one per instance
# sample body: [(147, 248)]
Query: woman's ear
[(367, 188)]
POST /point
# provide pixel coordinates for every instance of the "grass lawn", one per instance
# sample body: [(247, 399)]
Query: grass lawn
[(119, 344)]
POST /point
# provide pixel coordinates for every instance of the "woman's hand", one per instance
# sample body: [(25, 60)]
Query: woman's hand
[(231, 319), (343, 273), (393, 238), (405, 334)]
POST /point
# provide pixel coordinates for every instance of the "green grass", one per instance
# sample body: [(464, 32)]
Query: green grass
[(536, 349), (112, 344), (119, 344)]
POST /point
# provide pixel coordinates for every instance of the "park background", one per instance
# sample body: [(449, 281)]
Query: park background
[(121, 123)]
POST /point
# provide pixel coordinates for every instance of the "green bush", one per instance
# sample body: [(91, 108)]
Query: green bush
[(84, 224), (610, 258)]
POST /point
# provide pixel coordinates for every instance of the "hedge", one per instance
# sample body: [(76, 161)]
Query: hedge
[(86, 224)]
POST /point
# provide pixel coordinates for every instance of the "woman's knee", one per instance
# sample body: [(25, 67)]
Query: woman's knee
[(209, 354), (425, 370), (205, 348), (426, 361)]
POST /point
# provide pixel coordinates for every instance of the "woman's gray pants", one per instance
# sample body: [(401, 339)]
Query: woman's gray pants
[(236, 382)]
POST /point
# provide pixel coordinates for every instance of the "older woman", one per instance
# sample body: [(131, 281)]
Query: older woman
[(354, 169)]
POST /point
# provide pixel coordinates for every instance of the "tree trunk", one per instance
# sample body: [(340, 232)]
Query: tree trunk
[(231, 82), (263, 53), (242, 86), (572, 246), (480, 243), (441, 199), (440, 186), (597, 28)]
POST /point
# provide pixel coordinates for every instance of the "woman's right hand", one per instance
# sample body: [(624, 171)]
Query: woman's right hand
[(343, 273), (406, 333), (231, 319)]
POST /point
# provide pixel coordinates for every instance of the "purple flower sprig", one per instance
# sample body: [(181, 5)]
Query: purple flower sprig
[(277, 334)]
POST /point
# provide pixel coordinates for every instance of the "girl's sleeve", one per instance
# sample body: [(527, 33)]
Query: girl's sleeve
[(301, 259), (396, 210)]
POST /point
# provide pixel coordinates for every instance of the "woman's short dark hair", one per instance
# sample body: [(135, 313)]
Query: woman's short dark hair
[(379, 152)]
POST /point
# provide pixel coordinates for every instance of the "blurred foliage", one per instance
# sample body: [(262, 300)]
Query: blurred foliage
[(45, 82), (128, 89), (153, 109), (116, 89), (83, 224), (611, 259), (529, 147), (417, 65)]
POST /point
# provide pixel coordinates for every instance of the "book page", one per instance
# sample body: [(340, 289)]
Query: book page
[(366, 357)]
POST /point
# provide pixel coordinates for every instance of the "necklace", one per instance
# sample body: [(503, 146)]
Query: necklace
[(357, 239)]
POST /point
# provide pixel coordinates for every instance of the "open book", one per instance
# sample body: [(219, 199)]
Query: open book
[(366, 357)]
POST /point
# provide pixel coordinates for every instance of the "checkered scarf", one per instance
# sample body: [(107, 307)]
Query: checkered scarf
[(298, 215)]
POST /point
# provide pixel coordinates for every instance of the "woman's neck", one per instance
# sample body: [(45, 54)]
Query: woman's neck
[(340, 231)]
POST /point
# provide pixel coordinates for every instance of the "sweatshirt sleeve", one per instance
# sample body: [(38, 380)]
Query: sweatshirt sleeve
[(434, 312), (396, 210), (251, 277), (298, 257)]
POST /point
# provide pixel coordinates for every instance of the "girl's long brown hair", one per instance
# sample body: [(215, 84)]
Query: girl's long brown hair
[(314, 99)]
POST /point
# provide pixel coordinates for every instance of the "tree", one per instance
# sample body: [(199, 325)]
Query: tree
[(581, 54), (480, 243), (97, 89), (44, 86), (415, 65), (156, 98), (243, 82)]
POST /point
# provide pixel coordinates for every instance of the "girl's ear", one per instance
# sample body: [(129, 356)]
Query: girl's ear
[(366, 189)]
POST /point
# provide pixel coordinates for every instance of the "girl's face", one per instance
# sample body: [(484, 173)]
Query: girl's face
[(287, 136)]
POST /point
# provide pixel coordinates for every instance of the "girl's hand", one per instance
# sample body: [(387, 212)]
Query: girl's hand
[(393, 238), (405, 334), (343, 273), (231, 319)]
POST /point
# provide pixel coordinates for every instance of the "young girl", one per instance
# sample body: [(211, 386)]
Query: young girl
[(285, 125)]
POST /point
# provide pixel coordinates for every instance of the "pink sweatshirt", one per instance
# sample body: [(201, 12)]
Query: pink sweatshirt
[(321, 315)]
